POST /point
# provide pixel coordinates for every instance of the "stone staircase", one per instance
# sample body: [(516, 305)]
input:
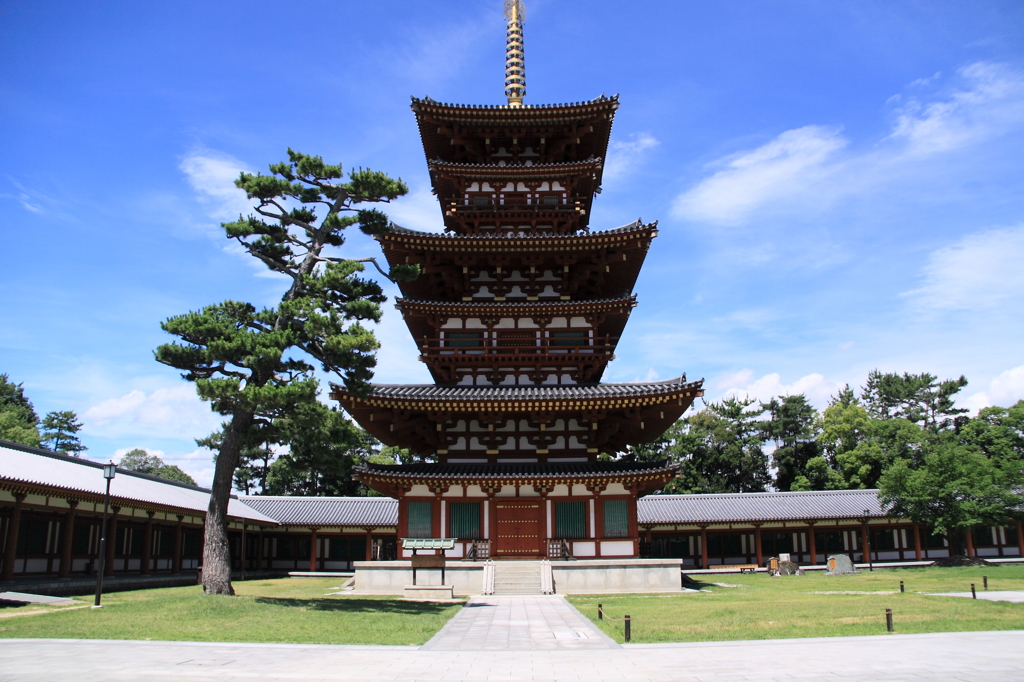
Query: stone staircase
[(517, 577)]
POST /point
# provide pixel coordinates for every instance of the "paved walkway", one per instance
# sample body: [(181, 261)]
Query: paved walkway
[(1015, 596), (519, 623), (980, 656)]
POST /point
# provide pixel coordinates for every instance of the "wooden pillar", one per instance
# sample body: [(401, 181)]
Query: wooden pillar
[(917, 543), (111, 542), (312, 550), (69, 536), (970, 542), (865, 546), (757, 544), (176, 562), (1020, 538), (369, 544), (259, 550), (10, 549), (703, 547), (812, 544), (244, 552), (147, 544)]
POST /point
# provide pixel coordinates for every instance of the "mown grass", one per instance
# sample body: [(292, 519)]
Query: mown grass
[(287, 610), (761, 607)]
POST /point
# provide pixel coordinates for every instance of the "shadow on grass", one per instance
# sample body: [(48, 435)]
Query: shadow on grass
[(354, 605)]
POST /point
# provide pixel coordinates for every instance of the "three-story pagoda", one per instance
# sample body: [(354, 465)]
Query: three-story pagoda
[(517, 313)]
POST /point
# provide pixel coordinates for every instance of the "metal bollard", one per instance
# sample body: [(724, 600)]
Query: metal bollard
[(600, 612), (974, 595), (984, 581), (629, 635), (888, 620), (901, 586)]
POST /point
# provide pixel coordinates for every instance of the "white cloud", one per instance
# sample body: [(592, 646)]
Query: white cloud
[(624, 155), (783, 167), (980, 271), (809, 167), (171, 413), (1004, 391), (212, 175), (816, 387)]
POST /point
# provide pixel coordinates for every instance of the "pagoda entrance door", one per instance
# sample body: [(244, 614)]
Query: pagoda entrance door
[(518, 527)]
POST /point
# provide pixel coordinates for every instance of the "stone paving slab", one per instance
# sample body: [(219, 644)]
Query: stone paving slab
[(940, 657), (502, 623), (1015, 596)]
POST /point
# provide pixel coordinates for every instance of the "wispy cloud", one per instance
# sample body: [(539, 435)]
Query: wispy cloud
[(981, 271), (418, 210), (212, 175), (625, 155), (165, 413), (812, 166), (782, 168)]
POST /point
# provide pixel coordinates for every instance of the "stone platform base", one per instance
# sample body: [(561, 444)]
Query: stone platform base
[(429, 592), (585, 576)]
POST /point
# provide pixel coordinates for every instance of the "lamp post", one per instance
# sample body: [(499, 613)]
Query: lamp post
[(108, 473), (867, 539)]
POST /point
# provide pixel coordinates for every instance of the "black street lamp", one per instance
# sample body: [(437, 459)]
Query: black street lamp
[(867, 539), (108, 473)]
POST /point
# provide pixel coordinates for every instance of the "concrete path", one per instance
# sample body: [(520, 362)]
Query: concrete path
[(1015, 596), (519, 623), (980, 656)]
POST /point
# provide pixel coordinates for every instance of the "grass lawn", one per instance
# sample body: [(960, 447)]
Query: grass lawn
[(760, 607), (291, 610)]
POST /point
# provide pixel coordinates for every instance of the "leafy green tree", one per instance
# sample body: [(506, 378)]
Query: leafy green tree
[(18, 419), (919, 398), (323, 449), (254, 366), (141, 461), (818, 474), (719, 450), (60, 432), (999, 433), (793, 424), (954, 488)]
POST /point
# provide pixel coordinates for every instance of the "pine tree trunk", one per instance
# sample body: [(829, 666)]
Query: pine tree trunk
[(217, 550)]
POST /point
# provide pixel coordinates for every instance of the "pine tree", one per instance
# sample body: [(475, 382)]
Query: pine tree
[(254, 365), (60, 432)]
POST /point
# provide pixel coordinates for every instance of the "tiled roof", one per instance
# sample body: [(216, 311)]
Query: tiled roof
[(327, 511), (636, 226), (525, 470), (739, 507), (505, 109), (460, 307), (520, 393), (517, 169), (20, 464)]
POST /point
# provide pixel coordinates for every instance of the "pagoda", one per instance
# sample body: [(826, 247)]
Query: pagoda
[(517, 312)]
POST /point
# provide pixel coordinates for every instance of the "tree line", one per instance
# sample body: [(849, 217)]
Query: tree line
[(902, 434)]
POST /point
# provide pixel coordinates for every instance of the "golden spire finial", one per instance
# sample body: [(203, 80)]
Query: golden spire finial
[(515, 62)]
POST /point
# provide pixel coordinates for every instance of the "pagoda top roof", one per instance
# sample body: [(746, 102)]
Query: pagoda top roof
[(531, 470), (500, 236), (526, 111), (526, 398)]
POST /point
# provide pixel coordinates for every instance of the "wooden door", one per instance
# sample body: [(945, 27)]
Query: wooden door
[(518, 527)]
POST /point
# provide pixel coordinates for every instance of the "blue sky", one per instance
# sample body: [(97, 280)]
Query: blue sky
[(840, 186)]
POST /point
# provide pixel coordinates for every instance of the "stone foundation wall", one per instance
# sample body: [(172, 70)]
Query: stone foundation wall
[(391, 577)]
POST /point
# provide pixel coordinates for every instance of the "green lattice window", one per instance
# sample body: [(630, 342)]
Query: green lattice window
[(465, 520), (569, 339), (463, 339), (570, 520), (616, 519), (421, 520)]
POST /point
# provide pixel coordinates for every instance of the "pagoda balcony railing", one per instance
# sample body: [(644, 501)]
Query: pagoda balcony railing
[(516, 207)]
